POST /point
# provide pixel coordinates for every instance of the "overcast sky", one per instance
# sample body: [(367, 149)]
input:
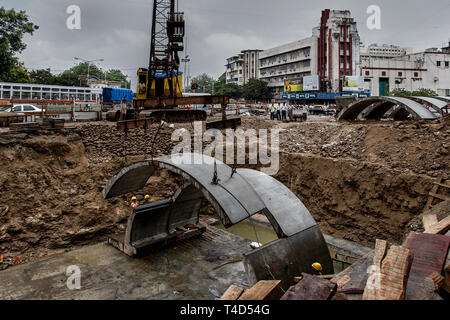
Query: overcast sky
[(119, 30)]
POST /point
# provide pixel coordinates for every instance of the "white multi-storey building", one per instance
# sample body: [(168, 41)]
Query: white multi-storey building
[(243, 67), (335, 49), (331, 53), (429, 70), (235, 67), (289, 61)]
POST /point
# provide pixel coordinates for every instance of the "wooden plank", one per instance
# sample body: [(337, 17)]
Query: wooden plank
[(442, 185), (327, 277), (372, 285), (261, 291), (232, 293), (430, 252), (389, 282), (311, 288), (441, 227), (437, 279), (446, 285), (433, 190), (439, 196), (354, 278), (381, 247), (429, 220)]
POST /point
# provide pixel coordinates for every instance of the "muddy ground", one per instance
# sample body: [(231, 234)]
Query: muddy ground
[(360, 181)]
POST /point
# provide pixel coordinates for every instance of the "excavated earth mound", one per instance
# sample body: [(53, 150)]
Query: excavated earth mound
[(360, 180)]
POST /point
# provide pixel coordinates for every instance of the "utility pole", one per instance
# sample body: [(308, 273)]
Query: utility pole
[(185, 60)]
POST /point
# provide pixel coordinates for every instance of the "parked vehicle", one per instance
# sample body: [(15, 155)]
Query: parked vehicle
[(258, 110), (21, 108), (298, 112), (117, 94)]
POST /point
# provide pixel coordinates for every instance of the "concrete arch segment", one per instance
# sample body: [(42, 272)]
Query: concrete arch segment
[(238, 196), (416, 109)]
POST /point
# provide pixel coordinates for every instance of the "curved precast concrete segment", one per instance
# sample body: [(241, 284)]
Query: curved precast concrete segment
[(231, 195), (400, 114), (417, 110), (436, 104), (379, 110), (446, 99), (352, 111), (235, 196), (285, 211)]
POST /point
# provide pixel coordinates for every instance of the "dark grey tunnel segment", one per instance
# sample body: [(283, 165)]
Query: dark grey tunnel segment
[(236, 196)]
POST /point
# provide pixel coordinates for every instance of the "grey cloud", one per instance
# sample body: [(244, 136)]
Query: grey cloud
[(119, 30)]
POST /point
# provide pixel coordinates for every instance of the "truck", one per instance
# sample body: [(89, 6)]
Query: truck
[(298, 112)]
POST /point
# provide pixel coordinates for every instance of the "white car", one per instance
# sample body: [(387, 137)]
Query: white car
[(22, 108)]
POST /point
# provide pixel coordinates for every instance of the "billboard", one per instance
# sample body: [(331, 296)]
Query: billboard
[(293, 85), (311, 83), (353, 83)]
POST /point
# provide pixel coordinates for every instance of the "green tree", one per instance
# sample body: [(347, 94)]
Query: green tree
[(19, 75), (13, 26), (256, 89), (424, 93), (417, 93), (400, 93), (117, 75), (43, 76), (83, 69), (70, 78), (228, 89), (205, 83)]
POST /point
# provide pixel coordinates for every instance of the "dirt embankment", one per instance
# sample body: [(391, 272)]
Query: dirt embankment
[(361, 181), (53, 195), (355, 200)]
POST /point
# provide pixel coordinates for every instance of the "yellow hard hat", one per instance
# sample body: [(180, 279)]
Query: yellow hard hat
[(147, 197), (317, 266), (133, 198)]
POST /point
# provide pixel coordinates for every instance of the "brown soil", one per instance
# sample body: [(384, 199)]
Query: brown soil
[(53, 194), (360, 181)]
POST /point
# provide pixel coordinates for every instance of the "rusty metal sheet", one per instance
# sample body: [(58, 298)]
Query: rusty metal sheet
[(430, 252)]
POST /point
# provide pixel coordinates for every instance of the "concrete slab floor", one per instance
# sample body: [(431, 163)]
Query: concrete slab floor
[(197, 269)]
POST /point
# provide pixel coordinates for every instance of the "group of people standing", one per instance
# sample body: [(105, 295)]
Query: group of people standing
[(278, 111)]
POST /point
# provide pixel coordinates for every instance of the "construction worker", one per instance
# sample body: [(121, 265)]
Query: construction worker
[(123, 109), (147, 199), (278, 111), (284, 111), (134, 203), (272, 111), (317, 267)]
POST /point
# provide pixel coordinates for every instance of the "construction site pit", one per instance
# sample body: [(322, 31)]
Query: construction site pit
[(360, 181)]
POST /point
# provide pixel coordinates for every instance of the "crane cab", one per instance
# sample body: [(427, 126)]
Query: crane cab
[(159, 86)]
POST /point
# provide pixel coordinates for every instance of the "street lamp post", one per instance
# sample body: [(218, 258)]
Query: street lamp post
[(88, 63), (185, 60)]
